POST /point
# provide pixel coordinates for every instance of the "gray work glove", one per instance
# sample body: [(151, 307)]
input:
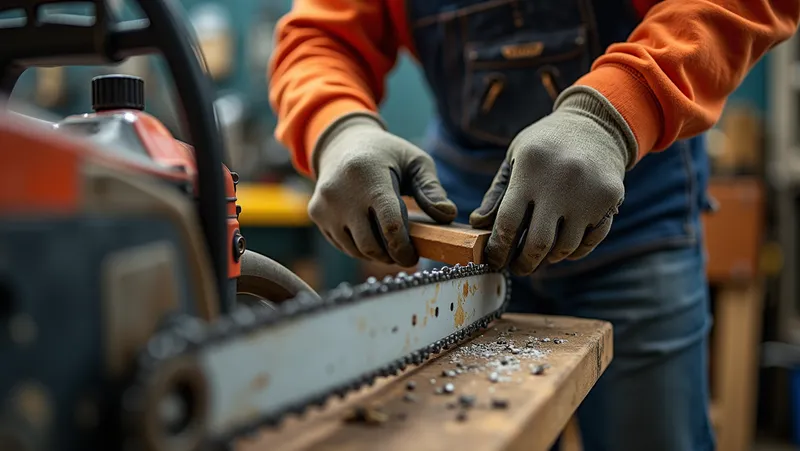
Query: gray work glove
[(560, 185), (362, 170)]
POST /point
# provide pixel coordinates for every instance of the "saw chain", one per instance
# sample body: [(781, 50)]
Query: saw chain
[(195, 383)]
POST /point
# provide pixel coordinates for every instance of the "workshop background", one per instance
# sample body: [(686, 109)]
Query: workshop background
[(752, 237)]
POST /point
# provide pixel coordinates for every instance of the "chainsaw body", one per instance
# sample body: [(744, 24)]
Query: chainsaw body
[(107, 251), (120, 125), (108, 226)]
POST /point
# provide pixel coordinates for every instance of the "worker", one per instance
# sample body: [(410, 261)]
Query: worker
[(571, 128)]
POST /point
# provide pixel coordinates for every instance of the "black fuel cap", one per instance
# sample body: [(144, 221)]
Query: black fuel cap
[(117, 92)]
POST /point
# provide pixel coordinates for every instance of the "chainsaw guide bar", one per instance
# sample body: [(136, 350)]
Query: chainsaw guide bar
[(201, 384)]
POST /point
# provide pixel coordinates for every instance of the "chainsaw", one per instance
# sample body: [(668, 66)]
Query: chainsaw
[(132, 314)]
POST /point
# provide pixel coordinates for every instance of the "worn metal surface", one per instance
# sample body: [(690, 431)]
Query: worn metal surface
[(260, 365)]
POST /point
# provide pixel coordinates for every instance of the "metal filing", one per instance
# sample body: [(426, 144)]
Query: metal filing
[(499, 403)]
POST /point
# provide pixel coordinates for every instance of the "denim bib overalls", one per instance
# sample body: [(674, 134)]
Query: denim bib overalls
[(496, 66)]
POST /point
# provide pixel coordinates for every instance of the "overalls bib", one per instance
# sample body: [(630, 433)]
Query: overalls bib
[(495, 67)]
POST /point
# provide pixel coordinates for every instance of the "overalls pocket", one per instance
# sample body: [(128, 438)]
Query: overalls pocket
[(512, 83)]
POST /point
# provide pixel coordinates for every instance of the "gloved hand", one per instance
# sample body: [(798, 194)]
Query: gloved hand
[(362, 170), (561, 182)]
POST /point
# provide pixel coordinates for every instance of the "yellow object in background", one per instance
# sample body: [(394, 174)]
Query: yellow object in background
[(272, 205), (218, 53), (50, 86), (213, 27), (771, 259)]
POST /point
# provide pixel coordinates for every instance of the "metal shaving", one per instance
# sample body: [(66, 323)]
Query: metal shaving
[(466, 401), (500, 358), (499, 404), (538, 369), (366, 415)]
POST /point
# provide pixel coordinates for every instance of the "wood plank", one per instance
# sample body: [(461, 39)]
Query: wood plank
[(539, 405), (449, 244), (736, 340)]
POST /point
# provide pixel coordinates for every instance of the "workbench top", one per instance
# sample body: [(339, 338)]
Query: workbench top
[(514, 409)]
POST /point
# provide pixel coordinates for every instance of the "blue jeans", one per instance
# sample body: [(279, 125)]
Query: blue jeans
[(654, 395)]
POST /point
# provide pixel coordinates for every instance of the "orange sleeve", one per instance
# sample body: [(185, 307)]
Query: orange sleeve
[(331, 58), (671, 79)]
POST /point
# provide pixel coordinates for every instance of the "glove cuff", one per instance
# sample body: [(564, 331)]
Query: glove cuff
[(586, 100), (337, 127)]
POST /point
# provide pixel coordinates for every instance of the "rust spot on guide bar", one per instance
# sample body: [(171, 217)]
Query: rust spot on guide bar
[(460, 315)]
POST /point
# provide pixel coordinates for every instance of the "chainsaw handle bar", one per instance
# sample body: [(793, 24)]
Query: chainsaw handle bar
[(67, 40)]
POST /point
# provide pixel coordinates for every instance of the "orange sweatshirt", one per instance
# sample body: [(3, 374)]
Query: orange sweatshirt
[(669, 81)]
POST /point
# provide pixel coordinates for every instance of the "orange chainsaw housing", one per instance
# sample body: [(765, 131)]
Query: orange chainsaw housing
[(39, 168)]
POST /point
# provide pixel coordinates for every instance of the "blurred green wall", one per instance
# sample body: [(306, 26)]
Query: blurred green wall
[(408, 105), (753, 91)]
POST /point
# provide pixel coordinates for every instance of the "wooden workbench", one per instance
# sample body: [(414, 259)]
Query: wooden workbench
[(539, 406)]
